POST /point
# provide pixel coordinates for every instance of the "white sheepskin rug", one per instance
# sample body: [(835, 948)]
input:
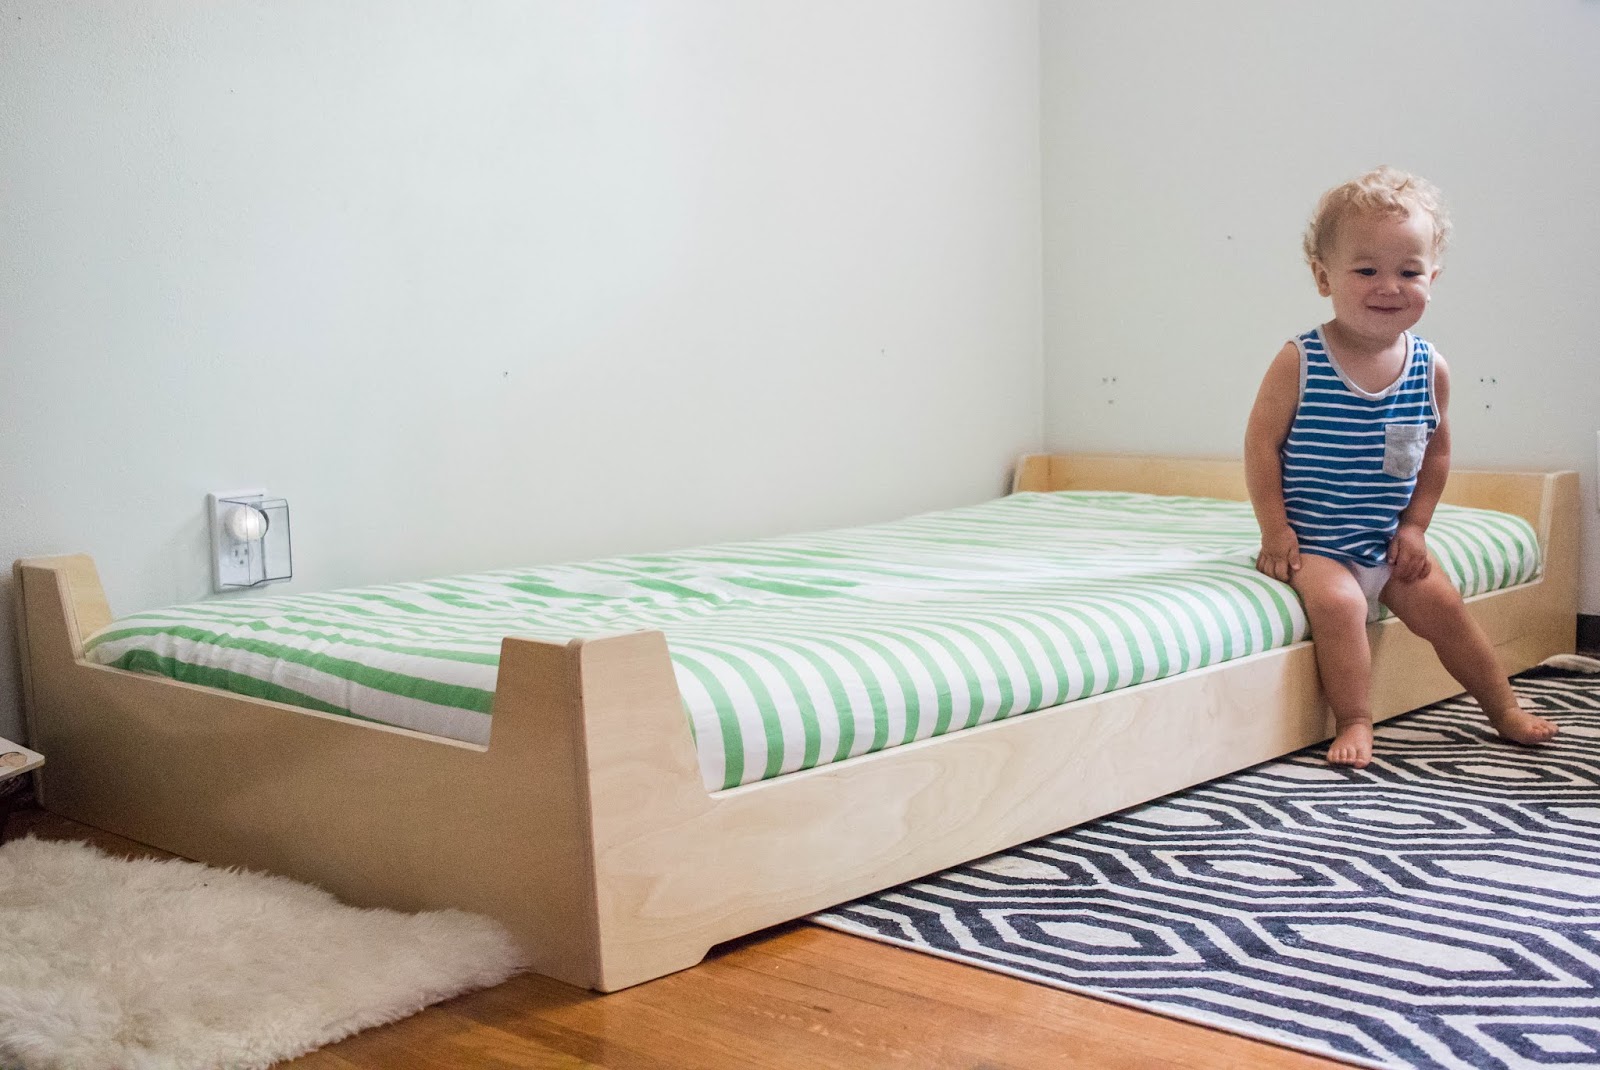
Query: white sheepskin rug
[(111, 964)]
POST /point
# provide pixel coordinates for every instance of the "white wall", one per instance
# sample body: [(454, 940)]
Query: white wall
[(476, 283), (1185, 145)]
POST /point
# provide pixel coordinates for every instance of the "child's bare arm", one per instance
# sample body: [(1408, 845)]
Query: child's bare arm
[(1408, 550), (1270, 418)]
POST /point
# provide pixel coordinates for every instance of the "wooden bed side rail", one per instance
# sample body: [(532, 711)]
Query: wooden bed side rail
[(680, 869), (378, 816)]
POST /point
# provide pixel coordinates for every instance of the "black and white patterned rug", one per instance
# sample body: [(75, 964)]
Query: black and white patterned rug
[(1438, 909)]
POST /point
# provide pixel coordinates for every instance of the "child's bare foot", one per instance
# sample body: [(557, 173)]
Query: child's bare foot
[(1520, 726), (1352, 746)]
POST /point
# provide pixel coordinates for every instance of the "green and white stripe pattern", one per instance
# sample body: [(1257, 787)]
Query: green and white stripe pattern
[(799, 651)]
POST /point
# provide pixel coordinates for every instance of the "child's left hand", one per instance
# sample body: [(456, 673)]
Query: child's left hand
[(1408, 553)]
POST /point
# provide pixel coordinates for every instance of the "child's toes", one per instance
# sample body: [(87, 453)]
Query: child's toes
[(1519, 726), (1348, 754)]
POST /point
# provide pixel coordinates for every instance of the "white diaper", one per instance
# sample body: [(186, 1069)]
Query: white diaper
[(1372, 579)]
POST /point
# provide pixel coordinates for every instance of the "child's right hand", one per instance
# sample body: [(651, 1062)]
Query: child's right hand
[(1280, 554)]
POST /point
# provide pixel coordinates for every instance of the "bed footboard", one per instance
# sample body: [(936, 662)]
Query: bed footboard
[(378, 816)]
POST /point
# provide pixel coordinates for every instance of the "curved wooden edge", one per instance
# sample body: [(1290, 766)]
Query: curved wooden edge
[(378, 816), (24, 657), (644, 792), (83, 611), (1555, 515), (83, 598)]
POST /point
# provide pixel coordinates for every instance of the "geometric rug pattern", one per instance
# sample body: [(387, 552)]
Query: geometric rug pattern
[(1438, 909)]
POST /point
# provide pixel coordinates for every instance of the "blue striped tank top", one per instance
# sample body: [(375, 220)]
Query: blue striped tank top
[(1351, 459)]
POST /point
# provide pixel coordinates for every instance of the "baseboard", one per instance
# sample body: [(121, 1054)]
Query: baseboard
[(1589, 634)]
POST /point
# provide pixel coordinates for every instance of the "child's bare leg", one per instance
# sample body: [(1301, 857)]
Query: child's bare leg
[(1433, 609), (1337, 611)]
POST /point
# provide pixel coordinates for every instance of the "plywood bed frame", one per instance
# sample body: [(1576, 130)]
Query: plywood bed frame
[(584, 825)]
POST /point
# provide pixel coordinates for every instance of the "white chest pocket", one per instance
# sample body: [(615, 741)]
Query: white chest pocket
[(1403, 447)]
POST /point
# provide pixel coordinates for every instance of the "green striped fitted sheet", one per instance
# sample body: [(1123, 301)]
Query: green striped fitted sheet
[(795, 652)]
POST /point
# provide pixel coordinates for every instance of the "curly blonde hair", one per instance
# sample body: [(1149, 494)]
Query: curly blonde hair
[(1383, 190)]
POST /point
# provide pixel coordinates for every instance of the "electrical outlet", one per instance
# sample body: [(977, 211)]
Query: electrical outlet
[(235, 562)]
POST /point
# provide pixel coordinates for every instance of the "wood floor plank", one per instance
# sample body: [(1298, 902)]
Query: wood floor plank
[(798, 997), (1012, 1016)]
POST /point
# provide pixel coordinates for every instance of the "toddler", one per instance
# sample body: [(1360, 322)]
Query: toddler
[(1347, 451)]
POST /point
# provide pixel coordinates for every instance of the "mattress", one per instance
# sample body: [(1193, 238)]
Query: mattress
[(799, 651)]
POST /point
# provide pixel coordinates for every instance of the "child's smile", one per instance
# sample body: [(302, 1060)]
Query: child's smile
[(1379, 274)]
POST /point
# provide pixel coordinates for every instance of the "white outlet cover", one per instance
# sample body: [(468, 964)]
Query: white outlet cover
[(229, 571)]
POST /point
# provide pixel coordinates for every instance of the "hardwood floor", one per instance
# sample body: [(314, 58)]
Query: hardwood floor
[(793, 998)]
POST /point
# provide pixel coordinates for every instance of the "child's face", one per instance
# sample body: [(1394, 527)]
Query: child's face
[(1379, 273)]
